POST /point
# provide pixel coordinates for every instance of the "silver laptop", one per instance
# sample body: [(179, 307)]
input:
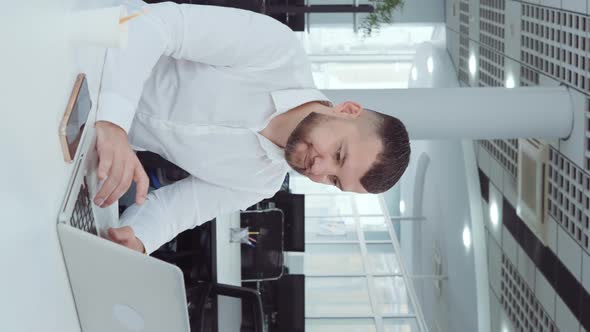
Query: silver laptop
[(114, 288)]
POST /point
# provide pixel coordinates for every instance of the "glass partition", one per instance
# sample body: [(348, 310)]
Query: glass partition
[(337, 297), (340, 325), (355, 280)]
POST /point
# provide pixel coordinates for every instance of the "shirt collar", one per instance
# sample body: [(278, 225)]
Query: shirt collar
[(287, 99), (274, 152)]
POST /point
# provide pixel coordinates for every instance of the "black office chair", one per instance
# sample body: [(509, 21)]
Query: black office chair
[(199, 294), (193, 253)]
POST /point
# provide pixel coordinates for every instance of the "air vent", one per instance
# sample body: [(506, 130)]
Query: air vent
[(82, 216), (556, 43), (520, 302), (464, 41), (532, 158)]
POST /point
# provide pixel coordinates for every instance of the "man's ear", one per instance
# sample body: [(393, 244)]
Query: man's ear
[(348, 109)]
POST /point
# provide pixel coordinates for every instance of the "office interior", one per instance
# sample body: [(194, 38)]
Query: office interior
[(479, 234)]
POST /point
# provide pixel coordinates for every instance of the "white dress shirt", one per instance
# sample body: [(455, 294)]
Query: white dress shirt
[(196, 84)]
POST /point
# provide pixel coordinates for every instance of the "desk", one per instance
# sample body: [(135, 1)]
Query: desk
[(228, 271), (38, 70)]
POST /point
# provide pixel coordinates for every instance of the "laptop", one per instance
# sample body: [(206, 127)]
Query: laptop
[(114, 288)]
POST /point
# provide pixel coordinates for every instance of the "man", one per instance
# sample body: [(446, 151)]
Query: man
[(228, 96)]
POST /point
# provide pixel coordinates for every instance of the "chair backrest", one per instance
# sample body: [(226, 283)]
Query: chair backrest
[(199, 294)]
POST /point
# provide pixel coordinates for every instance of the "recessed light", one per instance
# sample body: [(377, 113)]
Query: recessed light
[(466, 237), (494, 214), (472, 64), (430, 64), (510, 82), (402, 206)]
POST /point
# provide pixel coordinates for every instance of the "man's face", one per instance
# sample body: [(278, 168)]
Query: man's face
[(332, 150)]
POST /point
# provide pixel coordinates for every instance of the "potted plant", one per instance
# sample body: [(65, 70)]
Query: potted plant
[(381, 15)]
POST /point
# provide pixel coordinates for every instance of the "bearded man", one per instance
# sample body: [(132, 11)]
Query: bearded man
[(228, 96)]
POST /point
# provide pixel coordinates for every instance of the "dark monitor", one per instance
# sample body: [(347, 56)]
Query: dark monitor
[(293, 207), (291, 303), (262, 259)]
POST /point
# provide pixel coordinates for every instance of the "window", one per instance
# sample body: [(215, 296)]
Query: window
[(375, 228), (333, 259), (328, 205), (341, 325), (392, 296), (342, 296), (382, 259), (354, 277), (400, 325), (330, 229)]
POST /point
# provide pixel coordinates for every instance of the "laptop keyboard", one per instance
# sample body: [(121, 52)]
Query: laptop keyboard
[(82, 216)]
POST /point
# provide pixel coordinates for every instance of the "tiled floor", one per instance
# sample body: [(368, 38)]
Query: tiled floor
[(544, 43)]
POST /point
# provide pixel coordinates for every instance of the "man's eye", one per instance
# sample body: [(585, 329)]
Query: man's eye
[(338, 154)]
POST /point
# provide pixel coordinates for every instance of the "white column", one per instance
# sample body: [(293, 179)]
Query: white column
[(471, 113)]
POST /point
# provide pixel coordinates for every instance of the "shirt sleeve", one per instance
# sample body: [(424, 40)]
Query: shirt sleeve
[(183, 205), (217, 36)]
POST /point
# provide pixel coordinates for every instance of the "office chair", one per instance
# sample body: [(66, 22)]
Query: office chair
[(199, 294), (192, 252)]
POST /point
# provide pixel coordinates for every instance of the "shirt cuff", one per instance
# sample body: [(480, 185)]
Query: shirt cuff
[(115, 109), (140, 229), (143, 235)]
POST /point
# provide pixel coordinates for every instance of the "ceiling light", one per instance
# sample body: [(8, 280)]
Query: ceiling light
[(466, 237), (510, 82), (414, 73), (430, 64), (402, 206), (472, 64), (494, 214)]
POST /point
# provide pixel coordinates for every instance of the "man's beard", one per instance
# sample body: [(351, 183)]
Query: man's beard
[(301, 136)]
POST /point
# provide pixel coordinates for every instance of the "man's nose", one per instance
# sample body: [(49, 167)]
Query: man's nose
[(317, 178), (320, 169)]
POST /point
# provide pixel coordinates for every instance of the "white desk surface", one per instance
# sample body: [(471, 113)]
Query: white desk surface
[(38, 71), (38, 67), (229, 271)]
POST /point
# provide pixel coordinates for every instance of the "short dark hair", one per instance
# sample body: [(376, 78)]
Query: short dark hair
[(394, 157)]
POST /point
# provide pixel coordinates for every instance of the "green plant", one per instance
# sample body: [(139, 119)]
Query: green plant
[(382, 14)]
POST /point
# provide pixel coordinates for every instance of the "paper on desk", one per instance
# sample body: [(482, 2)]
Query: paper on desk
[(99, 27)]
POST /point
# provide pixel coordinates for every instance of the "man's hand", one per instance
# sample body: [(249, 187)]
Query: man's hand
[(126, 237), (117, 165)]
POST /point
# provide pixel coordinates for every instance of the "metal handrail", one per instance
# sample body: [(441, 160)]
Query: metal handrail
[(406, 275)]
